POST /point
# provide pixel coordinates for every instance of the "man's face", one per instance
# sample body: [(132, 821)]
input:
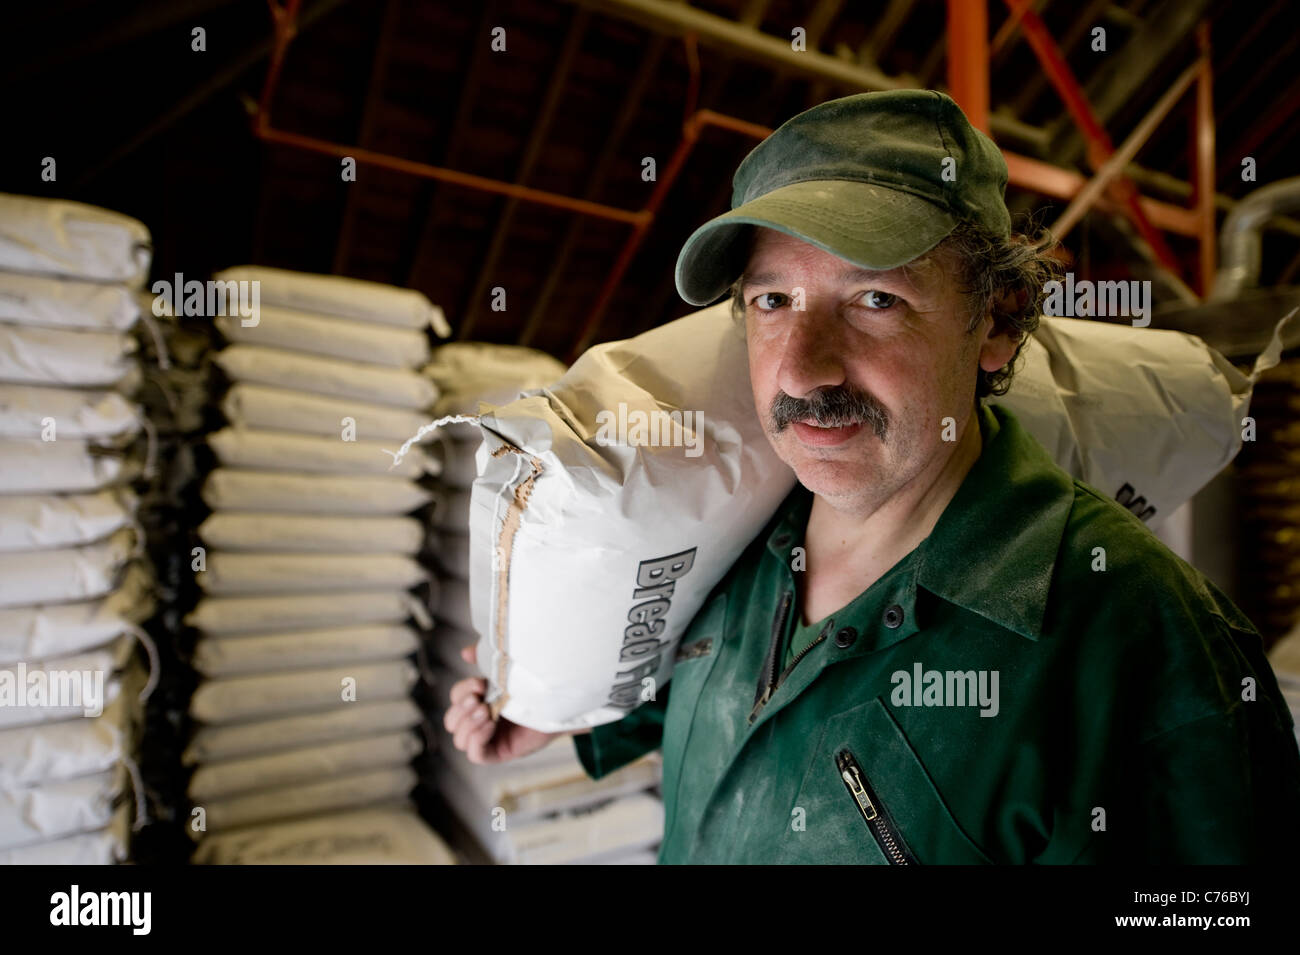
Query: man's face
[(853, 390)]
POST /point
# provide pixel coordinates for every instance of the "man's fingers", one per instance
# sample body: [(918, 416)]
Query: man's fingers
[(457, 710), (470, 654), (454, 716), (462, 732), (473, 686), (476, 742), (473, 721)]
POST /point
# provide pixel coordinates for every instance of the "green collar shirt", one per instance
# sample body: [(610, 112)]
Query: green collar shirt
[(1040, 681)]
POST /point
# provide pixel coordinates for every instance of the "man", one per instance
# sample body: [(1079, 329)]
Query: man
[(941, 649)]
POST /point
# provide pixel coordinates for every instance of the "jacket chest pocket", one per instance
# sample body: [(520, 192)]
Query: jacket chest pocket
[(866, 798), (878, 820)]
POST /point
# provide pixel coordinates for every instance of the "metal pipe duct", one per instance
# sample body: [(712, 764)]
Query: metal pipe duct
[(1240, 240)]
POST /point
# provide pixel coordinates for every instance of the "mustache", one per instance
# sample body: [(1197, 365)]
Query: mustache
[(832, 406)]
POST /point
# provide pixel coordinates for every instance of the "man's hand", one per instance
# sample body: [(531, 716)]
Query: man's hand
[(482, 739)]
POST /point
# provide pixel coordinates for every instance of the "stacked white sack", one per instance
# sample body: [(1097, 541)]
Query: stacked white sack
[(465, 374), (542, 808), (628, 488), (74, 586), (308, 626), (1285, 658)]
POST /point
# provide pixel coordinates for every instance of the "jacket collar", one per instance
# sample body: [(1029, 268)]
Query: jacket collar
[(993, 550)]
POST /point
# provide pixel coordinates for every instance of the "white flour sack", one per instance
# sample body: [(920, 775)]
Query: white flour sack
[(329, 336), (58, 237), (36, 521), (32, 466), (387, 835), (65, 573), (251, 615), (51, 630), (58, 356), (231, 489), (608, 505), (66, 303), (607, 544), (344, 297), (1146, 416), (30, 411), (283, 409), (275, 450), (332, 377)]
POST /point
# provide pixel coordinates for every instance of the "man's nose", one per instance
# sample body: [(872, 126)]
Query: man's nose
[(813, 353)]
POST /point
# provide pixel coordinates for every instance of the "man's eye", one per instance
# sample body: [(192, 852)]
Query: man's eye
[(769, 301), (878, 300)]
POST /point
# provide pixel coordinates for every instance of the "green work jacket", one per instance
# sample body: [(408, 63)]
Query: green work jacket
[(1040, 681)]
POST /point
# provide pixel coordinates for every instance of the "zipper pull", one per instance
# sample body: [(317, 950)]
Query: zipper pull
[(859, 792), (852, 776)]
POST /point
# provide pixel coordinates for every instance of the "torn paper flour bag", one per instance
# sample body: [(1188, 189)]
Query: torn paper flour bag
[(607, 539), (1146, 416), (599, 522), (469, 372)]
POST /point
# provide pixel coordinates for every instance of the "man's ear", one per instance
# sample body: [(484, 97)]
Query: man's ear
[(998, 345)]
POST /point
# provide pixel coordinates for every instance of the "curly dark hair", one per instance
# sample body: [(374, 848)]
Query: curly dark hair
[(1005, 274)]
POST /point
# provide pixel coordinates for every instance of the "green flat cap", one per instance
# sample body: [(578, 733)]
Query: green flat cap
[(875, 178)]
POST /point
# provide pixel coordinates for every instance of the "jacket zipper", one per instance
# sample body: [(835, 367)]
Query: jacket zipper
[(768, 684), (767, 681), (794, 661), (873, 811)]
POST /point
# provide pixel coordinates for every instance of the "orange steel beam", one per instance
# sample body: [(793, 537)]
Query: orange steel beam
[(1005, 32), (1024, 172), (1113, 167), (1203, 161), (691, 131), (284, 30), (424, 170), (1048, 180), (1100, 147), (968, 59)]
